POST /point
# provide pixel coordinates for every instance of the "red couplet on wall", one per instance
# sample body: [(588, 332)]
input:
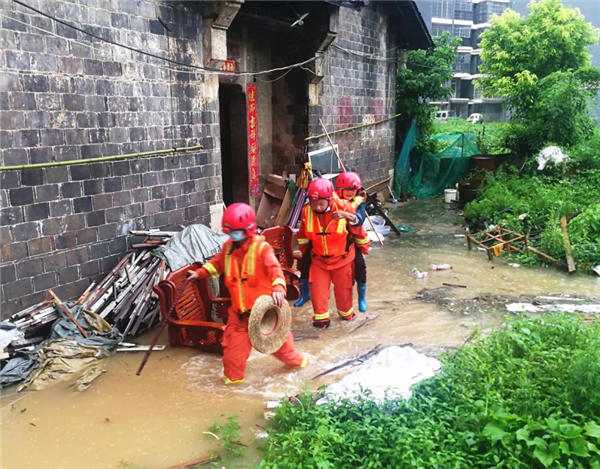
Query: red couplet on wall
[(252, 139)]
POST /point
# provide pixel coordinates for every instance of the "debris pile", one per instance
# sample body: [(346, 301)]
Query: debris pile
[(125, 298)]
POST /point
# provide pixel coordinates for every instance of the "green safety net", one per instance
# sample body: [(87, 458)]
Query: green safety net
[(427, 175)]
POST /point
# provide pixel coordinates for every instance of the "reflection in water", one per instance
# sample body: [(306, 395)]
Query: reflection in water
[(157, 419)]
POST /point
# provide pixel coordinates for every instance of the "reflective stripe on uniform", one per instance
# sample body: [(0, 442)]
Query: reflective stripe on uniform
[(303, 241), (345, 314), (211, 270), (356, 202), (362, 240), (304, 362), (279, 281), (226, 380), (320, 317)]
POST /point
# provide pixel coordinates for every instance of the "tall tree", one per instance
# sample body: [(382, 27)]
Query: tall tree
[(425, 79), (540, 65)]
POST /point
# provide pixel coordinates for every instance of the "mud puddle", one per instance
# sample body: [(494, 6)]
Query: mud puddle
[(157, 419)]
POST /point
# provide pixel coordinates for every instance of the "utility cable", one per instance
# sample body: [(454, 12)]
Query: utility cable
[(174, 62)]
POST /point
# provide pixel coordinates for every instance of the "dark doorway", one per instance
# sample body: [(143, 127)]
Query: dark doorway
[(234, 144)]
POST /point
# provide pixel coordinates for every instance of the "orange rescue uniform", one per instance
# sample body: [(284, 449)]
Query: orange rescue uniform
[(332, 257), (252, 270)]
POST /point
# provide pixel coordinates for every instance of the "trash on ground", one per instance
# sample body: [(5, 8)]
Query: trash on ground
[(417, 273), (567, 308), (516, 266), (273, 404), (363, 357), (496, 240), (142, 348), (597, 269), (405, 228), (551, 155), (441, 267), (389, 374)]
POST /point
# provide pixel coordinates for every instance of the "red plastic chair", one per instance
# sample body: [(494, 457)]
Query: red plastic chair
[(190, 324), (281, 238)]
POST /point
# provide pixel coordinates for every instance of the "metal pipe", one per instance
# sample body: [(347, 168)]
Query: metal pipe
[(314, 137), (99, 159)]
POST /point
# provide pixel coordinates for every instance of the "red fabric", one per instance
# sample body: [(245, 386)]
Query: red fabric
[(237, 348), (320, 285), (267, 270)]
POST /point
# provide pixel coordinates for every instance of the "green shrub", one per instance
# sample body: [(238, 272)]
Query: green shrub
[(587, 154), (528, 396), (534, 204)]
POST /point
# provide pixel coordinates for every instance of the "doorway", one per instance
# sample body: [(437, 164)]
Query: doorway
[(234, 144)]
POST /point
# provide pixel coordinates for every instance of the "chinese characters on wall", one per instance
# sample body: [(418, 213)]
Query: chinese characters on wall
[(252, 139)]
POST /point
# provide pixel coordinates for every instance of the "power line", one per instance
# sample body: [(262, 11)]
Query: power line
[(368, 56), (174, 62)]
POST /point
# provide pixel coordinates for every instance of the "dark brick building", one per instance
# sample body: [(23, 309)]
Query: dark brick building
[(67, 95)]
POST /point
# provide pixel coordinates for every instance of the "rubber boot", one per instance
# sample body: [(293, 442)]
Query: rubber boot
[(304, 293), (362, 301), (322, 324)]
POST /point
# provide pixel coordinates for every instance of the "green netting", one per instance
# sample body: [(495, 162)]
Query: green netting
[(427, 175)]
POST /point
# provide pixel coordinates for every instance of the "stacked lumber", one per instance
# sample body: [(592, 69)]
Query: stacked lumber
[(34, 323), (124, 298)]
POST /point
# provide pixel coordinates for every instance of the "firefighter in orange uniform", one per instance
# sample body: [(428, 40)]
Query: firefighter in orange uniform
[(251, 270), (332, 250)]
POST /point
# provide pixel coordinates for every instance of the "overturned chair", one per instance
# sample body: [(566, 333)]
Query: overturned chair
[(191, 323)]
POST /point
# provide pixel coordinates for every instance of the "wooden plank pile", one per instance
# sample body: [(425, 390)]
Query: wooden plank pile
[(124, 298), (34, 322)]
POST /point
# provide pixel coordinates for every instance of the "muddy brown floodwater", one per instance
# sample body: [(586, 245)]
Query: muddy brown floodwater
[(156, 420)]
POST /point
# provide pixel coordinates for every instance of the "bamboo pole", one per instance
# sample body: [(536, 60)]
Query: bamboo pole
[(570, 260), (68, 313), (356, 127), (99, 159), (344, 168)]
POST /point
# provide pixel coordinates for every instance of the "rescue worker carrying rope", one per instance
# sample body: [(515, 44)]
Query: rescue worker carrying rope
[(332, 250), (251, 270)]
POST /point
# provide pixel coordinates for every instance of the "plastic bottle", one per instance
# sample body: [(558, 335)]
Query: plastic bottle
[(441, 266), (419, 274)]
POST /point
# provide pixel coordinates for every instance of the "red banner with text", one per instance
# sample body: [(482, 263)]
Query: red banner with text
[(252, 139)]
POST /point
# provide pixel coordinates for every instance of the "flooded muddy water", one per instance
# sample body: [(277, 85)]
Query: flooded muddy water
[(156, 420)]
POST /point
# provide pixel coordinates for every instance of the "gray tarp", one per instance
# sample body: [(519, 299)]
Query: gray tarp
[(196, 243), (66, 354)]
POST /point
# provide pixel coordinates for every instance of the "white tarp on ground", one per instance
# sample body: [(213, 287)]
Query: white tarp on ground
[(392, 372), (567, 308)]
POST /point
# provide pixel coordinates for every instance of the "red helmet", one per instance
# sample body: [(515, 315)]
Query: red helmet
[(348, 180), (320, 189), (238, 217)]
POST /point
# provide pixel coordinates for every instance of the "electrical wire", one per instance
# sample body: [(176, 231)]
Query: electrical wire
[(368, 56), (209, 70)]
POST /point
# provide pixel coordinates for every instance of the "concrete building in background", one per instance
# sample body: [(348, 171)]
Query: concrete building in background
[(466, 19)]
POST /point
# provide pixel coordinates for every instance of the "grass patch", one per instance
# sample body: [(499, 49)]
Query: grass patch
[(527, 396)]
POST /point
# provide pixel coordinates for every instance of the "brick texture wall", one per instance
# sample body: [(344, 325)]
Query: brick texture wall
[(65, 96), (358, 90)]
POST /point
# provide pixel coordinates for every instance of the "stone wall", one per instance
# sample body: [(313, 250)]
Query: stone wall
[(66, 96), (358, 90)]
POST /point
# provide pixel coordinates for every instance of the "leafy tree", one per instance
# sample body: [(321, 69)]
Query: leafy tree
[(425, 78), (540, 65)]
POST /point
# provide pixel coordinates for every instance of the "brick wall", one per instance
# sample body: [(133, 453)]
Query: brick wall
[(60, 100), (358, 90)]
